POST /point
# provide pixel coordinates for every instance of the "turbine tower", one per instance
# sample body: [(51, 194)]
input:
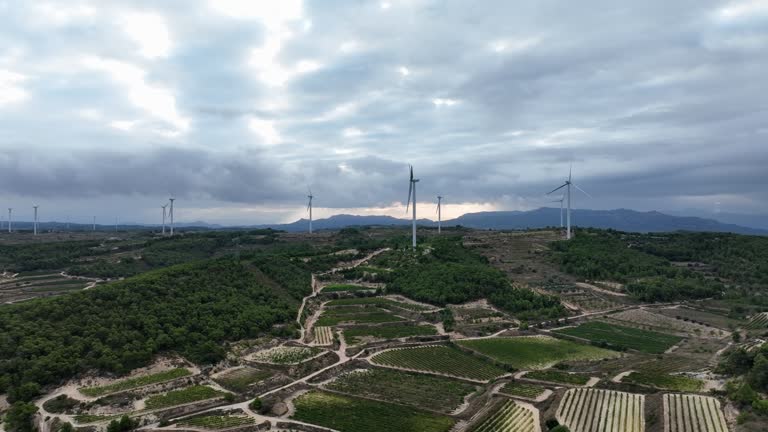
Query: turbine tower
[(412, 194), (164, 217), (9, 218), (170, 213), (568, 183), (439, 214), (309, 209), (34, 224), (94, 223), (562, 198)]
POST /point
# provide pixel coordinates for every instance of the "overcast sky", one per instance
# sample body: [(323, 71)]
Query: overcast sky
[(236, 107)]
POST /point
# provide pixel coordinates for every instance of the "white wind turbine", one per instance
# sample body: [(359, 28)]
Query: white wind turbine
[(163, 207), (439, 214), (34, 224), (10, 210), (412, 194), (568, 183), (309, 209), (562, 198), (170, 213)]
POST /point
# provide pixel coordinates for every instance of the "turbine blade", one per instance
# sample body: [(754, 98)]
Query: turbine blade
[(570, 170), (410, 192), (582, 191), (555, 190)]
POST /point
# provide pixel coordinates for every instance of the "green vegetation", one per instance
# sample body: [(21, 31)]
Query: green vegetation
[(377, 301), (19, 417), (190, 309), (133, 383), (619, 337), (439, 359), (345, 288), (347, 414), (125, 424), (509, 417), (679, 383), (517, 388), (286, 355), (239, 380), (61, 404), (354, 335), (183, 396), (556, 376), (421, 391), (92, 418), (216, 421), (331, 317), (534, 352)]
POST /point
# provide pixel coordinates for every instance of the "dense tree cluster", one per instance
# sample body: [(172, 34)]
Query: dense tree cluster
[(190, 308), (750, 369)]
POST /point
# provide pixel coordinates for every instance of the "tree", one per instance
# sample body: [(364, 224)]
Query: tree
[(66, 427), (255, 405), (19, 417), (758, 375), (125, 424)]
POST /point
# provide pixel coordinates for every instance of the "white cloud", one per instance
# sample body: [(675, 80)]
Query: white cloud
[(270, 71), (352, 132), (404, 71), (11, 90), (123, 125), (265, 129), (743, 9), (156, 101), (61, 14), (350, 47), (273, 14), (513, 45), (438, 102), (385, 5), (338, 112), (149, 31)]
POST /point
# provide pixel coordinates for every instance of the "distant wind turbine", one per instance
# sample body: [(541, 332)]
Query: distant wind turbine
[(439, 214), (309, 209), (568, 183), (412, 194), (10, 210), (34, 225), (562, 198), (171, 213), (94, 223), (164, 217)]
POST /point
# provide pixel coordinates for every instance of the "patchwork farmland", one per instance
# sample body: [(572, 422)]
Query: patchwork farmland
[(439, 359), (693, 413), (622, 337), (510, 417), (592, 410)]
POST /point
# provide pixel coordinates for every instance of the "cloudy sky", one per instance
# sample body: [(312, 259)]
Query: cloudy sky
[(236, 107)]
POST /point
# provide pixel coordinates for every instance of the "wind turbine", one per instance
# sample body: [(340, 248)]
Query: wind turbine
[(568, 183), (171, 213), (412, 193), (9, 218), (439, 214), (164, 217), (309, 209), (34, 225), (94, 223), (562, 198)]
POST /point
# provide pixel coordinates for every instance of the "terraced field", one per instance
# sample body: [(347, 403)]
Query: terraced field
[(378, 301), (693, 413), (592, 410), (33, 284), (537, 352), (285, 355), (622, 337), (645, 318), (132, 383), (323, 336), (239, 380), (350, 414), (355, 335), (708, 318), (346, 288), (183, 396), (216, 422), (664, 381), (332, 317), (510, 417), (558, 377), (420, 391), (521, 389), (758, 321), (439, 359)]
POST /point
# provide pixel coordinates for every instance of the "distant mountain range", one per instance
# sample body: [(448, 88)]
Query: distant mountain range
[(621, 219)]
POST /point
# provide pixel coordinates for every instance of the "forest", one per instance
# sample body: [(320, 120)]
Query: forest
[(190, 308)]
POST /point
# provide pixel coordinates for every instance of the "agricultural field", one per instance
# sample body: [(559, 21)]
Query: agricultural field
[(622, 337), (285, 355), (181, 397), (476, 314), (93, 418), (758, 321), (31, 284), (216, 422), (324, 335), (350, 414), (346, 288), (537, 352), (356, 335), (592, 410), (332, 317), (693, 413), (701, 317), (510, 417), (421, 391), (559, 377), (439, 359), (521, 389), (662, 381), (657, 321), (380, 302), (239, 380), (133, 383)]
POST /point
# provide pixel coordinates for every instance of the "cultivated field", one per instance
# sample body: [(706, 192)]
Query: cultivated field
[(133, 383), (216, 422), (183, 396), (511, 417), (323, 335), (591, 410), (346, 288), (378, 301), (421, 391), (334, 316), (693, 413), (285, 355), (438, 359), (699, 316), (349, 414), (239, 380), (355, 335), (521, 389), (645, 318), (758, 321), (680, 383), (559, 377), (537, 352), (622, 337)]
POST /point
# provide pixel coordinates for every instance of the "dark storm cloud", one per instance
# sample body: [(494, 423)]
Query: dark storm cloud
[(660, 101)]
